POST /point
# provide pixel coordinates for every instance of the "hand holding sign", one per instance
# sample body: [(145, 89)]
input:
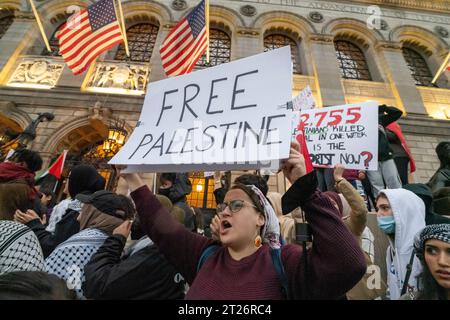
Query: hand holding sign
[(294, 167)]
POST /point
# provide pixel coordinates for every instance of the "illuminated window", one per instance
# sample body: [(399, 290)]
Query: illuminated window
[(418, 67), (202, 195), (352, 62), (141, 42), (5, 23), (275, 41), (219, 49)]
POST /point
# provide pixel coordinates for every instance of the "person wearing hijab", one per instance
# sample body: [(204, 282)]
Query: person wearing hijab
[(101, 213), (432, 247), (242, 267), (401, 215), (83, 180), (19, 248)]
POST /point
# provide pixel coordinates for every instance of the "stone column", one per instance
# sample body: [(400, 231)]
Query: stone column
[(326, 70), (247, 43), (12, 43), (156, 68), (400, 79)]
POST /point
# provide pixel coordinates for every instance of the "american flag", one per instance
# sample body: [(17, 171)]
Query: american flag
[(185, 43), (88, 33)]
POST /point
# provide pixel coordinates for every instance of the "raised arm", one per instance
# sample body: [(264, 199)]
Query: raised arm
[(358, 214), (335, 263), (180, 246)]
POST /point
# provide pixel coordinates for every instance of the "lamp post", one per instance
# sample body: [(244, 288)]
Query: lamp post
[(29, 134)]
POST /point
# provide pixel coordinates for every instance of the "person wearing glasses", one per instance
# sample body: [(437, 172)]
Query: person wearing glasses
[(242, 267)]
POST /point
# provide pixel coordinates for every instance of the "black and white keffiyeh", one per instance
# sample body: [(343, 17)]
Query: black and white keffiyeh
[(68, 260), (433, 231), (19, 248)]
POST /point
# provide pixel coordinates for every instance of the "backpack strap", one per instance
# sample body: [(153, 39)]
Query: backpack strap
[(408, 273), (278, 264), (209, 251)]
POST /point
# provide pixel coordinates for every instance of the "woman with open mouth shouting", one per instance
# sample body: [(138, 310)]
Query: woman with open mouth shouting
[(249, 262)]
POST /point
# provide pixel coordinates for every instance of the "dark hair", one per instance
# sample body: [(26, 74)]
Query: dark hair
[(381, 195), (33, 285), (253, 179), (252, 195), (31, 158), (13, 196), (168, 176), (430, 290), (442, 153), (127, 206)]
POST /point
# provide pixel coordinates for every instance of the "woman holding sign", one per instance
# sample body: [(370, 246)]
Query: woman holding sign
[(250, 263)]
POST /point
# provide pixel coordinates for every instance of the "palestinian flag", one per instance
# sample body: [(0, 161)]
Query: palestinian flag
[(56, 168)]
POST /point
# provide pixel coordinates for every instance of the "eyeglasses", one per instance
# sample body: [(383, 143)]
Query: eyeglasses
[(234, 206)]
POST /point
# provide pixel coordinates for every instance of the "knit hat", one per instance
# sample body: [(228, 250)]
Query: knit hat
[(434, 231)]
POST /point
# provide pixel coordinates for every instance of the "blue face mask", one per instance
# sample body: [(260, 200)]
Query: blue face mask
[(387, 224)]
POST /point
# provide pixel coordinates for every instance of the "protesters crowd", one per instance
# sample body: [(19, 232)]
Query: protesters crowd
[(313, 242)]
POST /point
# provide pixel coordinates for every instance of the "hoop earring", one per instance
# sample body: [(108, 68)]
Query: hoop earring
[(258, 241)]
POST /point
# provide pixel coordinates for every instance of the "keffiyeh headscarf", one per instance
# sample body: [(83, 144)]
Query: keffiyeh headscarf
[(19, 248), (434, 231), (271, 231)]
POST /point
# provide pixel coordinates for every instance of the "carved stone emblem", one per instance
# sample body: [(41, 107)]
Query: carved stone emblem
[(129, 77), (37, 72), (441, 31), (248, 10), (179, 5), (316, 17)]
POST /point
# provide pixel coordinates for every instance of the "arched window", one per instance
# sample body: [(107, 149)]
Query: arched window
[(5, 23), (54, 44), (275, 41), (418, 67), (219, 49), (141, 41), (352, 62)]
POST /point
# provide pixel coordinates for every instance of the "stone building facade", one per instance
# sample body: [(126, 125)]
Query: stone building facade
[(347, 51)]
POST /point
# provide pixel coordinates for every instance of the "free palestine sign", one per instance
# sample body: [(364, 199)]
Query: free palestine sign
[(230, 117)]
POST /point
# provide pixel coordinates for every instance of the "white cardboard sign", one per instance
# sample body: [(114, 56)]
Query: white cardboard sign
[(345, 134), (230, 117)]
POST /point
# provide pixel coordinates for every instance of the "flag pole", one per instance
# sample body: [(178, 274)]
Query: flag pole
[(41, 28), (124, 30), (441, 69), (207, 29)]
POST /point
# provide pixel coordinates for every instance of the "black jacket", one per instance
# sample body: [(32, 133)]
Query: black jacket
[(144, 275), (64, 229), (386, 115)]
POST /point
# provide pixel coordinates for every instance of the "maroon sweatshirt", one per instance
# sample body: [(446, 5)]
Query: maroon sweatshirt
[(335, 263)]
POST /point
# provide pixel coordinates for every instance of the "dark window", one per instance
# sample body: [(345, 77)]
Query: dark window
[(141, 41), (219, 49), (275, 41), (418, 67), (352, 62), (5, 23), (54, 44)]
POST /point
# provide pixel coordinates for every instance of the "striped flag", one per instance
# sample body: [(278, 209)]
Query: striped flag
[(88, 33), (185, 43), (56, 168)]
